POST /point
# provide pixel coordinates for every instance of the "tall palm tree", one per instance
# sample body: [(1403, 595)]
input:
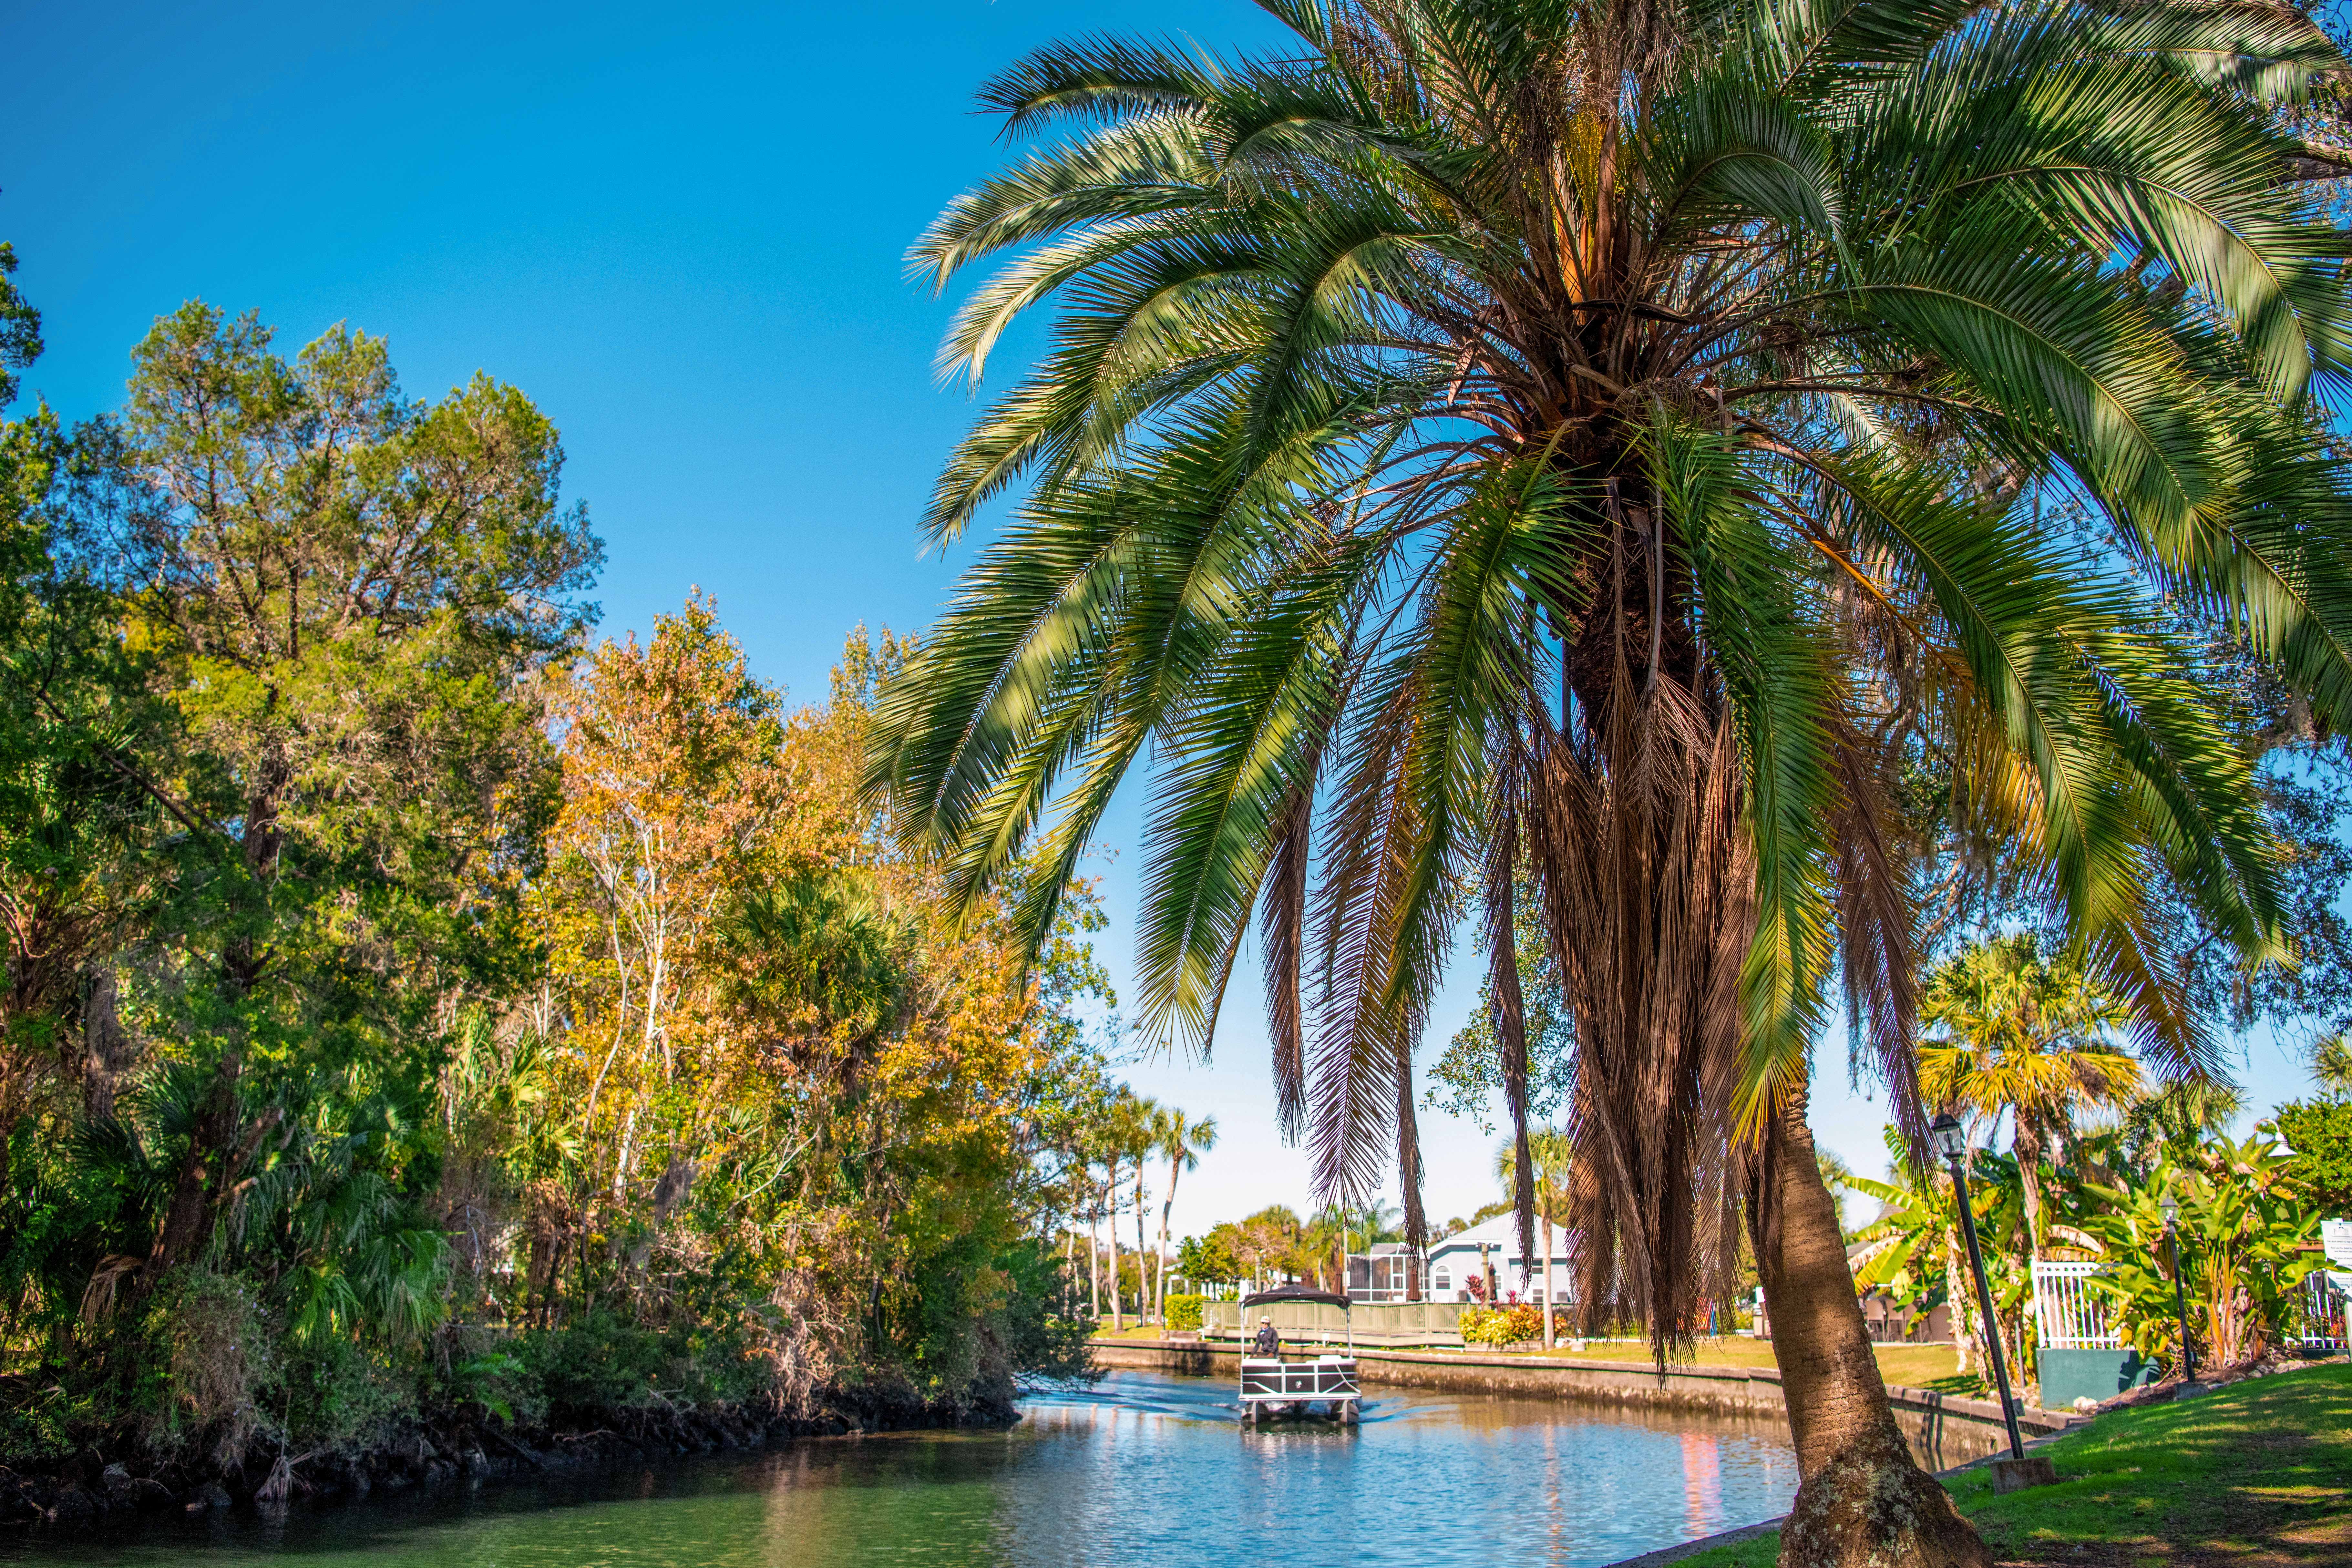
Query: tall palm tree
[(1126, 1136), (1610, 441), (2013, 1031), (1181, 1142)]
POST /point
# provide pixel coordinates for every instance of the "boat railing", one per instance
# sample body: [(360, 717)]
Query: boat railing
[(1325, 1377)]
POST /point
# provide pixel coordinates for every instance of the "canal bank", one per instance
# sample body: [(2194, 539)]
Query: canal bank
[(1943, 1430), (1137, 1470)]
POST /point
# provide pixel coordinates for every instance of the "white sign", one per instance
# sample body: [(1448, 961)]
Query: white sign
[(2336, 1236)]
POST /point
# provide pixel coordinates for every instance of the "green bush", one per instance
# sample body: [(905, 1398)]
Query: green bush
[(1512, 1325), (2320, 1133), (1184, 1311)]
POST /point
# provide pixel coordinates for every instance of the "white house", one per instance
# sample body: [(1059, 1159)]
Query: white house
[(1495, 1244)]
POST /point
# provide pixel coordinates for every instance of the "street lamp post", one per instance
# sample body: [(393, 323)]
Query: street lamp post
[(1951, 1142), (2179, 1299)]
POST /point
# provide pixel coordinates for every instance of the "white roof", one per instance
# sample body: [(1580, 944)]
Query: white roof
[(1501, 1232)]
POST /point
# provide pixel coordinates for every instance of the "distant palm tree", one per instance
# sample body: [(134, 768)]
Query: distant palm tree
[(1551, 1157), (1127, 1139), (1609, 440), (1181, 1141), (2331, 1064), (2178, 1118), (2013, 1031)]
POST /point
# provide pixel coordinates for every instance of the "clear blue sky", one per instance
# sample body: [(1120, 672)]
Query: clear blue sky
[(680, 229)]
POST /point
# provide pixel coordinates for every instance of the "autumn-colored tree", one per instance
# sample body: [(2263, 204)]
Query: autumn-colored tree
[(803, 1101)]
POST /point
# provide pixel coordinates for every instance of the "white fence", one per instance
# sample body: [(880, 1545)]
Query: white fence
[(2073, 1316), (2324, 1300)]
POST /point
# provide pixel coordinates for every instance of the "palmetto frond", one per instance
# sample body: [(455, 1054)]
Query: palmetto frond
[(1602, 444)]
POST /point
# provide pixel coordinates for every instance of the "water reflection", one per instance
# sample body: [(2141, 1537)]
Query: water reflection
[(1142, 1469)]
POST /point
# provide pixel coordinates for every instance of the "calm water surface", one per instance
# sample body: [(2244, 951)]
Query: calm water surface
[(1141, 1471)]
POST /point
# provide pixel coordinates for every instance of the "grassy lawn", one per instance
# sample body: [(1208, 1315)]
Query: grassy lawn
[(1912, 1366), (2257, 1475)]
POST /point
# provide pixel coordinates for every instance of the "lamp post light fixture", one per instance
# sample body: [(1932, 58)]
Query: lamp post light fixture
[(2179, 1299), (1952, 1142)]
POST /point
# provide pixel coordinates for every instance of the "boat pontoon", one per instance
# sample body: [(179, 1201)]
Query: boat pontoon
[(1274, 1385)]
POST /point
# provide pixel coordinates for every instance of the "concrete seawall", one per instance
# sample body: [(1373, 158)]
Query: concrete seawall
[(1943, 1430)]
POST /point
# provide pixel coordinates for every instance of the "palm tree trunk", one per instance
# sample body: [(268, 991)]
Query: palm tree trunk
[(1545, 1221), (2026, 1144), (1142, 1278), (1110, 1209), (1861, 1498), (1166, 1204), (1961, 1301), (1094, 1266)]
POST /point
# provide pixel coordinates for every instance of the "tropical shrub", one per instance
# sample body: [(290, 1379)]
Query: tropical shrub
[(1184, 1311), (1513, 1325), (2243, 1228)]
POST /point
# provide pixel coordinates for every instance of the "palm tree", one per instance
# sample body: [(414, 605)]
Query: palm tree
[(2176, 1118), (1183, 1142), (2331, 1064), (1551, 1159), (2013, 1031), (1126, 1135), (1610, 442)]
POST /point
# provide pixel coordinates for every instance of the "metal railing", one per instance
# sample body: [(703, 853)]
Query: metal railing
[(2324, 1308), (2073, 1316), (1327, 1377)]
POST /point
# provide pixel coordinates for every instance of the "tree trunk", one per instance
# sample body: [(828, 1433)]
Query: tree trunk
[(107, 1049), (1142, 1278), (1546, 1223), (208, 1168), (2026, 1144), (1861, 1498), (1960, 1297), (1110, 1209), (1094, 1268), (1166, 1204)]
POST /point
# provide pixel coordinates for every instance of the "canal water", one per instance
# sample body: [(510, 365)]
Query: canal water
[(1141, 1470)]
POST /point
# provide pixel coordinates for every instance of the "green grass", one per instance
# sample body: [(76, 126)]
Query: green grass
[(2257, 1475), (1910, 1366)]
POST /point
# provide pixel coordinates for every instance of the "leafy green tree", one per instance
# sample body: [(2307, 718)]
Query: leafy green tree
[(1209, 1259), (2320, 1133), (20, 327), (77, 866), (347, 594), (1610, 440)]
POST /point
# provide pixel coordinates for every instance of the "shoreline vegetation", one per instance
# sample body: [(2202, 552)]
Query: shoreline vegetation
[(437, 1040), (111, 1486)]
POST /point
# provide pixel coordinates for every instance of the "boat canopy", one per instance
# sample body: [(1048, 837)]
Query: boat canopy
[(1295, 1293)]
